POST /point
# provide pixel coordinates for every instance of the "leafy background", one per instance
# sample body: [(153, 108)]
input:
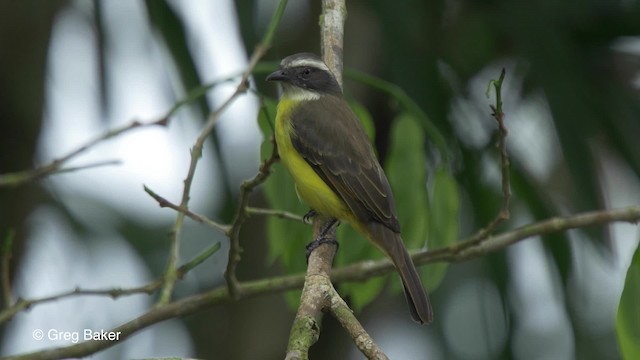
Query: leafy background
[(571, 103)]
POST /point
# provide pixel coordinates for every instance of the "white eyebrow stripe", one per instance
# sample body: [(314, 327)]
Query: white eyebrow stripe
[(309, 62)]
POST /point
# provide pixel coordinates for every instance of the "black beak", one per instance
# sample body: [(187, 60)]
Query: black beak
[(279, 75)]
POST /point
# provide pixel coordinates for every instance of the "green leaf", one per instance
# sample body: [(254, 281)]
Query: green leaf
[(445, 209), (361, 294), (292, 298), (406, 169), (287, 238), (355, 247), (628, 318)]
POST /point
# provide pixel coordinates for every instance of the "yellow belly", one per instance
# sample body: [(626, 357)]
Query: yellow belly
[(309, 186)]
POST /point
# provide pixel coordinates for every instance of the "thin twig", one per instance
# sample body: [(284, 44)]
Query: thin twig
[(360, 271), (196, 153), (241, 215), (341, 311), (55, 167), (162, 202), (17, 178), (22, 304), (498, 115), (87, 166), (263, 171), (272, 212), (114, 293), (199, 259)]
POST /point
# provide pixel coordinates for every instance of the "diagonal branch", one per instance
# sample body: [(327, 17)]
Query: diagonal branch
[(162, 202), (196, 154), (56, 166)]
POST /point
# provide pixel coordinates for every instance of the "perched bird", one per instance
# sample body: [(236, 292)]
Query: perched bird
[(323, 145)]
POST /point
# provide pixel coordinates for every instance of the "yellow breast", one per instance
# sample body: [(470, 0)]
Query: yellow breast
[(309, 186)]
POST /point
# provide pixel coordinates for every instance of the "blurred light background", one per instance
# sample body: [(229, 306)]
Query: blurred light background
[(71, 70)]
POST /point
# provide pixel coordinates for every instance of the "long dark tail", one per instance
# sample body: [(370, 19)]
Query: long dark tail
[(391, 243)]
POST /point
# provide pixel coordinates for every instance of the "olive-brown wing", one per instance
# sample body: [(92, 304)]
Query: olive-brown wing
[(329, 136)]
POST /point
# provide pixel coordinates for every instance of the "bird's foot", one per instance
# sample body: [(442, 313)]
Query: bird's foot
[(319, 241), (307, 218), (323, 237), (329, 225)]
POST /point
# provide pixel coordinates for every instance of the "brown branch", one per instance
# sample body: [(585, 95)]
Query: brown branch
[(196, 153), (361, 271), (318, 293), (334, 14), (149, 288), (263, 172), (162, 202), (341, 311), (17, 178), (171, 277), (272, 212), (23, 304), (498, 115), (241, 216), (318, 296)]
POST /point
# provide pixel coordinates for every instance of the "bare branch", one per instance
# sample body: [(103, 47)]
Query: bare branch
[(318, 293), (196, 153), (498, 115), (263, 171), (361, 271), (17, 178), (315, 298), (23, 304), (341, 311), (277, 213), (334, 14), (162, 202), (114, 293), (241, 215)]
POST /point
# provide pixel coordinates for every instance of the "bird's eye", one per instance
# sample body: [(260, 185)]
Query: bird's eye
[(307, 71)]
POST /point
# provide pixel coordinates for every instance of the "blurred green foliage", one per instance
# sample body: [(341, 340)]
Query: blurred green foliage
[(628, 318), (409, 66)]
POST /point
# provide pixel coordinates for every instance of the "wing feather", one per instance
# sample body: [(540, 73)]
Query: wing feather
[(329, 136)]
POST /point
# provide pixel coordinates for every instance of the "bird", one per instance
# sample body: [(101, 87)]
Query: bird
[(336, 172)]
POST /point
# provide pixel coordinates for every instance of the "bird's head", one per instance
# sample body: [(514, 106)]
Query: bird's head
[(305, 76)]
